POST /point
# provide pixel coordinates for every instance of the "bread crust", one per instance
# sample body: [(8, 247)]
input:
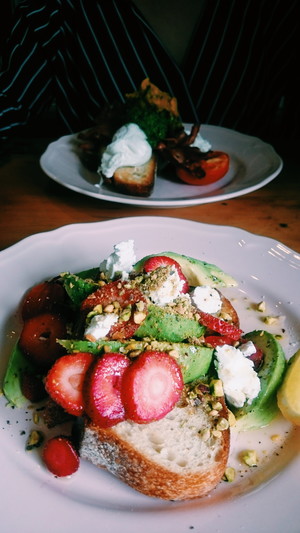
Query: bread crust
[(107, 449)]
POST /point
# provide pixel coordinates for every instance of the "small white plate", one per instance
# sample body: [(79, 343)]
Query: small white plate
[(261, 499), (253, 164)]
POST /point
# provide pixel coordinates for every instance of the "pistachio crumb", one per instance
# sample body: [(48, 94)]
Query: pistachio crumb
[(229, 474)]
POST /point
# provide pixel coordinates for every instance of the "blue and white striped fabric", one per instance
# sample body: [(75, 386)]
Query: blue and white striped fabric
[(239, 71)]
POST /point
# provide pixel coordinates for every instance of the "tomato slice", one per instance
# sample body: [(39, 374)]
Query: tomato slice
[(208, 170)]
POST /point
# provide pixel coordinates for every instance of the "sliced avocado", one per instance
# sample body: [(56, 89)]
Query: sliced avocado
[(197, 272), (12, 379), (264, 407), (78, 288), (193, 360), (165, 326)]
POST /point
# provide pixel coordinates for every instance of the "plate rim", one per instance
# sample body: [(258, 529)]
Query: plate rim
[(149, 202)]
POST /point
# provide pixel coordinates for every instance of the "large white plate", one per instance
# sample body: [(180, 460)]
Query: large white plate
[(262, 500), (253, 164)]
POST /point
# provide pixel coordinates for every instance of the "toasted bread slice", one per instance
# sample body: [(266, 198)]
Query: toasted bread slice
[(136, 181), (181, 456)]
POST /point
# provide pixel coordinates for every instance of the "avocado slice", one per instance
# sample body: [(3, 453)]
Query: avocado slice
[(193, 360), (12, 379), (197, 272), (166, 326), (78, 287), (264, 407)]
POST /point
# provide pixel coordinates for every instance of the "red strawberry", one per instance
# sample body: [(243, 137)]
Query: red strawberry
[(60, 456), (47, 296), (152, 263), (38, 339), (64, 381), (218, 340), (117, 291), (151, 386), (102, 392), (220, 326)]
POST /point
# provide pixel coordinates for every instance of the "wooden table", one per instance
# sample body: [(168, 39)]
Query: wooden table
[(31, 202)]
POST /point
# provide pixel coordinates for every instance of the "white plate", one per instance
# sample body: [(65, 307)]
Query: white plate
[(262, 500), (253, 164)]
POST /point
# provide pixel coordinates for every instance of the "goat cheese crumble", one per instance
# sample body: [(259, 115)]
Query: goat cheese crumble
[(240, 381), (168, 291), (100, 325), (121, 261), (206, 299)]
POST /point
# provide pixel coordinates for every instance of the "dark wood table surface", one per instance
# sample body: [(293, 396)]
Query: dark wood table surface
[(31, 202)]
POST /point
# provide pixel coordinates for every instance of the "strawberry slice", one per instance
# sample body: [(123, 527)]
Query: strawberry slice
[(60, 456), (220, 326), (218, 340), (64, 381), (38, 339), (102, 393), (48, 296), (151, 386), (158, 261), (118, 291)]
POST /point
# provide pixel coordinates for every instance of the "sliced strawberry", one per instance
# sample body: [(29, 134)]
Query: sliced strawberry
[(218, 340), (64, 381), (158, 261), (220, 326), (60, 456), (118, 291), (151, 386), (47, 296), (102, 392), (38, 339)]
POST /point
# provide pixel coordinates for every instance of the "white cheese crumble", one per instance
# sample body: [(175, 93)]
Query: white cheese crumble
[(168, 291), (121, 261), (100, 325), (247, 349), (240, 381), (206, 299)]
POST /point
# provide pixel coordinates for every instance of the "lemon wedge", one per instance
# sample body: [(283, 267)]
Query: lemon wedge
[(288, 395)]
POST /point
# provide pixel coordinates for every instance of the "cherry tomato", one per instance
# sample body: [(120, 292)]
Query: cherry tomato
[(209, 169), (47, 296), (38, 339)]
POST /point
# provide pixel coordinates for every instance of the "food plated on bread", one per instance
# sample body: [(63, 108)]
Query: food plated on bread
[(144, 327), (131, 140)]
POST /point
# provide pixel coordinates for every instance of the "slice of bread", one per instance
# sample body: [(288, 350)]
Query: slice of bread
[(181, 456), (135, 181)]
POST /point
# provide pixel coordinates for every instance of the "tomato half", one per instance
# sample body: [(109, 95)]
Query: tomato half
[(210, 169)]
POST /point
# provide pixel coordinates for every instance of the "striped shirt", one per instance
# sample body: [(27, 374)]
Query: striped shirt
[(82, 54), (238, 71)]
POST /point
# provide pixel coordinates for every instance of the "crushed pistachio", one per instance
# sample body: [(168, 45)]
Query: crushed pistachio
[(229, 474), (261, 307), (222, 424), (35, 440), (270, 320), (217, 387), (250, 458)]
